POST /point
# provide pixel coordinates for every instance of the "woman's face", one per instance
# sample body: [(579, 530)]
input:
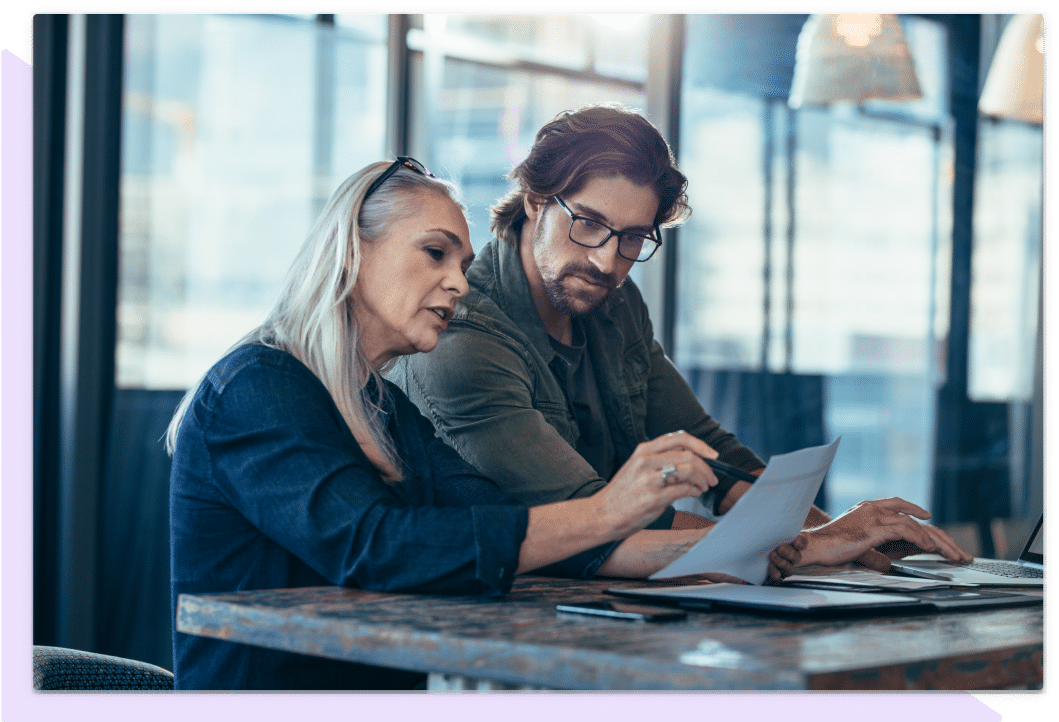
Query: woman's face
[(411, 278)]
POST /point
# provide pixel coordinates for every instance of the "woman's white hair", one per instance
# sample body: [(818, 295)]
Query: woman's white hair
[(312, 317)]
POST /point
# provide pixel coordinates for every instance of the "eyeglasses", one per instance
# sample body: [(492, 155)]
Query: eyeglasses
[(402, 161), (593, 234)]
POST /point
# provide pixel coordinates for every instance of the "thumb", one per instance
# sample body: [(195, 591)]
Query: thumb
[(875, 560)]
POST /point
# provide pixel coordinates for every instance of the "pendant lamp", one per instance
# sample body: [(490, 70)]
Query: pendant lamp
[(852, 58), (1014, 87)]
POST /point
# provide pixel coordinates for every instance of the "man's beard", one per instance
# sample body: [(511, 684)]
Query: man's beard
[(574, 303)]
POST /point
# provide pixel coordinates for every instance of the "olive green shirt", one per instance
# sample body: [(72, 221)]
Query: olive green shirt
[(490, 390)]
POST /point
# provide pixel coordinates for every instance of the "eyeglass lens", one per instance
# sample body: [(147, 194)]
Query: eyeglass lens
[(630, 245)]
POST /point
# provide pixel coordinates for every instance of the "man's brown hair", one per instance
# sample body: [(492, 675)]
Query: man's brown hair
[(592, 141)]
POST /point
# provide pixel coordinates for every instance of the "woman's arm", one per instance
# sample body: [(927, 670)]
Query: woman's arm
[(635, 496)]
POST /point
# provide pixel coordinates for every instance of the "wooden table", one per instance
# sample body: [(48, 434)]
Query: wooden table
[(519, 642)]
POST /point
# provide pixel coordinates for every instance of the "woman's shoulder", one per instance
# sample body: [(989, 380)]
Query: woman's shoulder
[(255, 360), (399, 401)]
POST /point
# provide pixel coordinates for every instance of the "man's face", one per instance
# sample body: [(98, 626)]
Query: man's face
[(578, 279)]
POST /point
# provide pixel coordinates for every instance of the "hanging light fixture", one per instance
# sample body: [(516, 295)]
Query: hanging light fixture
[(1014, 87), (852, 58)]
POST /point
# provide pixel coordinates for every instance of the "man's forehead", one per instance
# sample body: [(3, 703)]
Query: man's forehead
[(592, 197)]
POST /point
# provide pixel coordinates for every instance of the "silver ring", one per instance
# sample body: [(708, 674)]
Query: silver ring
[(669, 471)]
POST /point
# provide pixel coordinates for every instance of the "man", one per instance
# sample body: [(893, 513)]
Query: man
[(549, 375)]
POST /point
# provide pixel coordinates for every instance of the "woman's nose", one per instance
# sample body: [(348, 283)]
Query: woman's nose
[(457, 282)]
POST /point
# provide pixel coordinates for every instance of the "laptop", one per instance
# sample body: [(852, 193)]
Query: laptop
[(800, 602), (1028, 571)]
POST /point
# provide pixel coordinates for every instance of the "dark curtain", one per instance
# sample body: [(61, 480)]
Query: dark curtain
[(133, 617), (974, 484)]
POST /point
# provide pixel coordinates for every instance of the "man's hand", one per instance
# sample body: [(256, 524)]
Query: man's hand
[(855, 535)]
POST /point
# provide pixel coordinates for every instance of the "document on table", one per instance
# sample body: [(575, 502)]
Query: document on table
[(853, 578), (770, 513)]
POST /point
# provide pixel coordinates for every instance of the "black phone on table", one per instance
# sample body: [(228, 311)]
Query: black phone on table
[(622, 610)]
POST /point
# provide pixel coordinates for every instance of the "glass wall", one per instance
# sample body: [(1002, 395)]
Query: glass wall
[(491, 81), (818, 248), (237, 128), (1006, 273)]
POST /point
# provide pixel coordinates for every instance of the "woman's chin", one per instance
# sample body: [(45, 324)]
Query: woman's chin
[(426, 346)]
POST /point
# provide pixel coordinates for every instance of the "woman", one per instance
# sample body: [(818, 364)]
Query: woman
[(296, 464)]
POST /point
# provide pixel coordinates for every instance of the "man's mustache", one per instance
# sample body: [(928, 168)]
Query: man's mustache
[(593, 274)]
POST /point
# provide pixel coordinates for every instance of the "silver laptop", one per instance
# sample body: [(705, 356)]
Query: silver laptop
[(1028, 571)]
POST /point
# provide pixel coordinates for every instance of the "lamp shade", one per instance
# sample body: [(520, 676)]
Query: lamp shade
[(852, 58), (1014, 87)]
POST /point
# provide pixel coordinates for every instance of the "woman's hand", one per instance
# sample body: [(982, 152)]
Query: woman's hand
[(638, 493), (869, 524), (784, 558)]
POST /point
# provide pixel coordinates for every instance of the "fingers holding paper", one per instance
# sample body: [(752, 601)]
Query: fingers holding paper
[(784, 558), (658, 473)]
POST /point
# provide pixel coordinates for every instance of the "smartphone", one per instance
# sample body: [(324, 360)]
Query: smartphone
[(622, 610)]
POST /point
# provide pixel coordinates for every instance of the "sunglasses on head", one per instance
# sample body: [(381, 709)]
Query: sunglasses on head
[(402, 161)]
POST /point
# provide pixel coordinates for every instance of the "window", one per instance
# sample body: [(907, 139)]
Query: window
[(1005, 287), (817, 250), (493, 81), (236, 131)]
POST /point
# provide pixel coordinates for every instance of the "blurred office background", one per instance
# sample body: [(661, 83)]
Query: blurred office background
[(864, 265)]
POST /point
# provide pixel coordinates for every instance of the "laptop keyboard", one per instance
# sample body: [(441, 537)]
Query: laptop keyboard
[(1006, 569)]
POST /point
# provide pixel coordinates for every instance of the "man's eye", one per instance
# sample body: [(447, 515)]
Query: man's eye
[(590, 225)]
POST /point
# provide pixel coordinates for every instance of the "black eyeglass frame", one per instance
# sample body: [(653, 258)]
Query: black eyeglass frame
[(574, 218), (403, 161)]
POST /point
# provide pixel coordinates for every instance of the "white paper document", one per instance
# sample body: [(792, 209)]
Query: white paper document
[(867, 579), (770, 513)]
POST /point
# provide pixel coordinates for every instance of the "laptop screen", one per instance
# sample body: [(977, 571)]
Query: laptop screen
[(1034, 551)]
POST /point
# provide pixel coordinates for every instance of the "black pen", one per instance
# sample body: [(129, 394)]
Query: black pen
[(730, 470)]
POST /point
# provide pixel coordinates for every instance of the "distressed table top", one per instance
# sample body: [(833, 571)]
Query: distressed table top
[(520, 640)]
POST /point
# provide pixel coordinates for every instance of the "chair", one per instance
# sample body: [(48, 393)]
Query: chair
[(56, 668)]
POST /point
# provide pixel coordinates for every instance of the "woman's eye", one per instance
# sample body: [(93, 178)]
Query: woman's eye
[(436, 253)]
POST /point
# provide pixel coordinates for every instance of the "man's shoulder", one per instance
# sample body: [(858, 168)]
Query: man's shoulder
[(483, 312)]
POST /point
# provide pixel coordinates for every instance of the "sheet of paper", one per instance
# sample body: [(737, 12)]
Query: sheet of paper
[(868, 579), (770, 513)]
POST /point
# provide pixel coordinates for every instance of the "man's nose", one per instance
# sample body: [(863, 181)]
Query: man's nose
[(605, 257)]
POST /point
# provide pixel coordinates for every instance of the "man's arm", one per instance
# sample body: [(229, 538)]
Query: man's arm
[(852, 536), (864, 523)]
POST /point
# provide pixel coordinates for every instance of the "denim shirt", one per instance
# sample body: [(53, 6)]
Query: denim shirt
[(490, 390), (269, 489)]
